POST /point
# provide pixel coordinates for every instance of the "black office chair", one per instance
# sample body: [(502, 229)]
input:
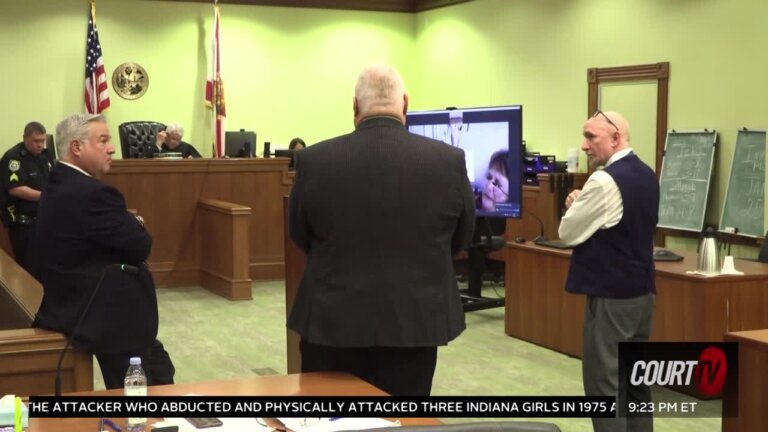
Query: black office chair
[(136, 137), (509, 426), (763, 255), (50, 147), (486, 238)]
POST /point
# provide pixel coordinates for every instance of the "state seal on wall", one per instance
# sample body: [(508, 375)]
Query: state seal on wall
[(130, 81)]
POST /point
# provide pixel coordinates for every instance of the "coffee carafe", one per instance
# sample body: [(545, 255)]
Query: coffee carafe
[(709, 253)]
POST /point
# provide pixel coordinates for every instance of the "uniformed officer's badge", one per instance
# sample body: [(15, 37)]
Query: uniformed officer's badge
[(14, 165)]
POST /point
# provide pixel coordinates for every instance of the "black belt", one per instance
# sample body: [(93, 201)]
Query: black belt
[(24, 219)]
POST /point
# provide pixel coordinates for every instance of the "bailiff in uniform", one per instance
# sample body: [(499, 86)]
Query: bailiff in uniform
[(24, 171)]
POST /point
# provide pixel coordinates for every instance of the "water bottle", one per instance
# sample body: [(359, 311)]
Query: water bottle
[(136, 385)]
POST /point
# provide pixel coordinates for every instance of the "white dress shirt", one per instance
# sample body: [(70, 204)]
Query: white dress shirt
[(598, 206)]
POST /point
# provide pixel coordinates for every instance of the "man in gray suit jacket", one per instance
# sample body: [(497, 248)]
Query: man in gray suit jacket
[(380, 213)]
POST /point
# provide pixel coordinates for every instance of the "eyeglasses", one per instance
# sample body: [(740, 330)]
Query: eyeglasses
[(598, 112)]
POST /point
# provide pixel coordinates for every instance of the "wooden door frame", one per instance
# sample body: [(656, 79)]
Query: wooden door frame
[(655, 71)]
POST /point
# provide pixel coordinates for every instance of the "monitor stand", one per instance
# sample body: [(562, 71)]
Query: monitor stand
[(485, 239)]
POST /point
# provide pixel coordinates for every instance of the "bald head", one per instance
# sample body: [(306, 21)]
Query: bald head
[(617, 121), (605, 133), (379, 91)]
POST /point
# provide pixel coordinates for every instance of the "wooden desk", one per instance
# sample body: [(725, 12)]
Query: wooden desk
[(688, 308), (753, 382), (168, 194), (312, 384)]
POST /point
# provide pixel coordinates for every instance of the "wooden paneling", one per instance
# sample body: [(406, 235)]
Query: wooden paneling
[(28, 359), (295, 261), (753, 382), (688, 307), (20, 294), (537, 308), (367, 5), (644, 72), (223, 232), (28, 356), (167, 192)]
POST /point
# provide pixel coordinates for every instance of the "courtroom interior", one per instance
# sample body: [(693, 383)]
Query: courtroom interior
[(225, 268)]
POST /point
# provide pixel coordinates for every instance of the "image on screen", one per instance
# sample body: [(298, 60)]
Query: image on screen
[(492, 142)]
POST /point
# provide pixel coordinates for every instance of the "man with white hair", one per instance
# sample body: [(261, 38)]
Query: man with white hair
[(169, 141), (380, 213), (611, 223)]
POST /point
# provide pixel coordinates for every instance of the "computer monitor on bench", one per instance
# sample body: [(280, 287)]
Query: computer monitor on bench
[(241, 144)]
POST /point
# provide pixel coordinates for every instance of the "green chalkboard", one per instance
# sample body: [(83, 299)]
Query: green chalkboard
[(684, 182), (744, 198)]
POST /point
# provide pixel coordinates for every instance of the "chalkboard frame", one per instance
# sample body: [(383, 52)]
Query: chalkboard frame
[(721, 226), (700, 225)]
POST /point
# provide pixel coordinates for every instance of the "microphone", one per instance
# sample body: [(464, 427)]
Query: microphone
[(541, 236), (123, 267)]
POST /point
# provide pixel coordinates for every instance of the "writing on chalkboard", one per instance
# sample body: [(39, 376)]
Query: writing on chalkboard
[(744, 205), (686, 171)]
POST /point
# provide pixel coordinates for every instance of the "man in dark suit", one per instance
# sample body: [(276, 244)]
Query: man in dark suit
[(86, 240), (380, 213)]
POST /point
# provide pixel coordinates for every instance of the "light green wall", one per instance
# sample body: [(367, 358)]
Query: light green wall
[(287, 71), (536, 53), (290, 71)]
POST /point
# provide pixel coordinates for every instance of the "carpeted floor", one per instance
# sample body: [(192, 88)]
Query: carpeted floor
[(211, 338)]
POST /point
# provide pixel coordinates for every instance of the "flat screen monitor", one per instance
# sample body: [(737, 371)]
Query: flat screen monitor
[(492, 140), (241, 144), (50, 147), (285, 154)]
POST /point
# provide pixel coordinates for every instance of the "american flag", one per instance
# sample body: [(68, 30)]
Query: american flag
[(214, 91), (96, 92)]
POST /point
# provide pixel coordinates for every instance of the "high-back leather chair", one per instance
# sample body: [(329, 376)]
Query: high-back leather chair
[(763, 255), (137, 136)]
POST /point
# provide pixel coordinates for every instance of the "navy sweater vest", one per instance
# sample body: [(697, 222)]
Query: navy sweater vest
[(618, 262)]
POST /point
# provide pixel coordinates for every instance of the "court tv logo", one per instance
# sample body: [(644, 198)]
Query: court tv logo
[(696, 371), (707, 373)]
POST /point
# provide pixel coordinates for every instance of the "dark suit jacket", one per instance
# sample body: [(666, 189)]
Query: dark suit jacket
[(84, 232), (380, 213)]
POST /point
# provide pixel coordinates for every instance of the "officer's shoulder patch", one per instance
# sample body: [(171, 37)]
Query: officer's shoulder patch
[(14, 165)]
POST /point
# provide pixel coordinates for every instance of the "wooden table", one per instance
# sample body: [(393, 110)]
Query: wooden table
[(311, 384), (753, 382), (688, 308)]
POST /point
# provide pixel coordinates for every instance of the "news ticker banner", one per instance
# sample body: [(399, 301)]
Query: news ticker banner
[(325, 406), (703, 377)]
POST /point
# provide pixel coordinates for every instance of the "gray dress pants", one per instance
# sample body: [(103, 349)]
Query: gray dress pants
[(608, 321)]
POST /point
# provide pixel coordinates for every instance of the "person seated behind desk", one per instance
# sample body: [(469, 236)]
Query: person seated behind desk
[(169, 141), (296, 144)]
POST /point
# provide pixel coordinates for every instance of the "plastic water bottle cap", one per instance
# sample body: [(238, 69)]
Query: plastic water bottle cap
[(135, 361)]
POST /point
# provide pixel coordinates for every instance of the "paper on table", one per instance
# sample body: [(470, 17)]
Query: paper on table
[(722, 273), (341, 424), (228, 425)]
